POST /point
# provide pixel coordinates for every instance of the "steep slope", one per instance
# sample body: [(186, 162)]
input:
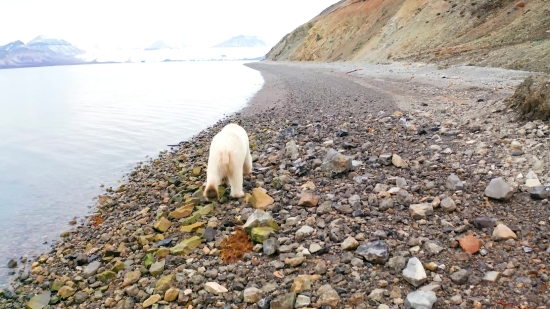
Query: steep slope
[(504, 33), (242, 41)]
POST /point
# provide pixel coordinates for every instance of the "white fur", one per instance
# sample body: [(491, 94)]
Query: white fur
[(229, 159)]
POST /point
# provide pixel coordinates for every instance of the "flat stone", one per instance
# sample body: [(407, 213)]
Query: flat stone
[(502, 232), (66, 292), (285, 301), (38, 301), (91, 268), (308, 200), (259, 199), (302, 301), (182, 212), (295, 261), (214, 288), (349, 243), (470, 244), (421, 211), (491, 276), (414, 273), (499, 189), (157, 268), (162, 225), (484, 222), (131, 278), (171, 294), (327, 296), (420, 300), (433, 287), (192, 227), (186, 246), (153, 299), (164, 283), (377, 295), (252, 295), (398, 161), (303, 232), (432, 247), (106, 276), (374, 252)]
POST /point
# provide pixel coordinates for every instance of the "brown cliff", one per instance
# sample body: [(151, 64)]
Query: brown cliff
[(503, 33)]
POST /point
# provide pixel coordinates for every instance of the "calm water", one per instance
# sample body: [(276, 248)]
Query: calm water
[(66, 130)]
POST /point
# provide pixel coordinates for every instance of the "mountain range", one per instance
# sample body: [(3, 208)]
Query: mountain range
[(45, 51)]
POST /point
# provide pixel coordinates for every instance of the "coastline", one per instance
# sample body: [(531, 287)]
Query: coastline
[(319, 106)]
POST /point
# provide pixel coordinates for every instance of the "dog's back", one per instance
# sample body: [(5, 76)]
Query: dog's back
[(228, 152)]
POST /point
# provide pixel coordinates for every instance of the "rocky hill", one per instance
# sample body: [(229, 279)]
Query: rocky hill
[(40, 51), (242, 41), (508, 33)]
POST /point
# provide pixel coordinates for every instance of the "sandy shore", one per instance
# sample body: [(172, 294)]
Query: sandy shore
[(398, 215)]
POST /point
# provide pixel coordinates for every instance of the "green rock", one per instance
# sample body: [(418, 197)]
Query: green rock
[(192, 219), (176, 199), (221, 191), (56, 285), (200, 232), (66, 292), (285, 301), (206, 210), (118, 267), (186, 246), (196, 172), (149, 260), (157, 268), (39, 301), (54, 300), (261, 234), (106, 276), (260, 218), (164, 283)]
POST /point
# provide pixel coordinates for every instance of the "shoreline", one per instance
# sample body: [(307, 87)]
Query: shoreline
[(292, 105)]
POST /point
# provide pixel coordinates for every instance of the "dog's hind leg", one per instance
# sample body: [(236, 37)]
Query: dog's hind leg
[(236, 182), (247, 167)]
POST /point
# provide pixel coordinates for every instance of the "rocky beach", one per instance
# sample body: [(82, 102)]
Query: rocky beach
[(398, 185)]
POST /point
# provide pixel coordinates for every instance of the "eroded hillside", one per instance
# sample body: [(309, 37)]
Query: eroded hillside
[(502, 33)]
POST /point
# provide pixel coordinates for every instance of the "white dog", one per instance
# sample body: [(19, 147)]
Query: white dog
[(228, 160)]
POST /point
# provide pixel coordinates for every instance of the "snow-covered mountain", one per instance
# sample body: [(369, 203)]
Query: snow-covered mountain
[(41, 51), (242, 41), (158, 45)]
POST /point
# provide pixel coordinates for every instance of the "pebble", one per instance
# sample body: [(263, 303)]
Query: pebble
[(414, 272)]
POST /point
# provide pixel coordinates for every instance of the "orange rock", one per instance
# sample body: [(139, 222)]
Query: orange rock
[(470, 244), (520, 4), (308, 200)]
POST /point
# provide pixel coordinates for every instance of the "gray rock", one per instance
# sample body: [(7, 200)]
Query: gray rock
[(252, 295), (499, 189), (377, 295), (336, 163), (12, 263), (260, 218), (285, 301), (421, 211), (302, 301), (403, 198), (303, 232), (539, 192), (386, 204), (400, 182), (385, 159), (460, 277), (454, 183), (374, 252), (432, 248), (484, 222), (291, 150), (92, 268), (414, 273), (38, 301), (324, 208), (355, 201), (420, 300), (397, 263), (157, 268), (270, 246), (320, 268), (448, 204)]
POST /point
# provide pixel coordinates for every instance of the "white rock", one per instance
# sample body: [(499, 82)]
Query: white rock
[(414, 273)]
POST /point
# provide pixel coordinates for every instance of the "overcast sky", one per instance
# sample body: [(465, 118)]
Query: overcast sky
[(134, 23)]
